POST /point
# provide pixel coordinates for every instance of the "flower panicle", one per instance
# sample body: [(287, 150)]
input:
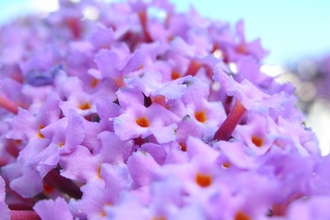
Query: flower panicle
[(109, 107)]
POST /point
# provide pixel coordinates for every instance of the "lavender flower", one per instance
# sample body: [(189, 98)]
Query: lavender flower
[(130, 116)]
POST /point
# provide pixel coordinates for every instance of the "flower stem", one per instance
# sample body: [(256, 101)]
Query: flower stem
[(228, 126), (24, 215), (8, 104), (63, 184), (143, 19), (193, 68)]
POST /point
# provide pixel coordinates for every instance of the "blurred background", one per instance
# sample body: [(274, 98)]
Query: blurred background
[(297, 34)]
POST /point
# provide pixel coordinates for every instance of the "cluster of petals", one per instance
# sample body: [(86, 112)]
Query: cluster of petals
[(131, 110)]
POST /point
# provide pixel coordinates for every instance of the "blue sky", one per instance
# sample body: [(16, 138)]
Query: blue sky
[(290, 29)]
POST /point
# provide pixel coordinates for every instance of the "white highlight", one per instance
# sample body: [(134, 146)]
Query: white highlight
[(272, 71), (44, 6), (91, 13), (218, 53), (232, 67)]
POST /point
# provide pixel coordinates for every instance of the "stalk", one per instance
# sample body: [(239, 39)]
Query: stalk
[(228, 126)]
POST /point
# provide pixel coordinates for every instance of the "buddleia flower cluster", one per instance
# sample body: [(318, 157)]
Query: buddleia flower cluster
[(131, 110)]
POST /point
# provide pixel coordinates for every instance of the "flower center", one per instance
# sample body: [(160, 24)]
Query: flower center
[(183, 146), (85, 106), (142, 122), (200, 116), (241, 216), (226, 165), (257, 141), (159, 218), (94, 82), (175, 75), (39, 134), (203, 180)]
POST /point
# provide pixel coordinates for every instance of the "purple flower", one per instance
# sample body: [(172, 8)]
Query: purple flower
[(83, 166), (102, 37), (259, 133), (154, 120), (53, 209), (4, 210), (311, 208)]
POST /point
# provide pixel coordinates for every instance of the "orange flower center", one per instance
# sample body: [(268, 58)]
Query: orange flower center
[(94, 82), (142, 122), (159, 218), (175, 75), (257, 141), (39, 134), (203, 180), (85, 106), (241, 216), (99, 172), (200, 116), (183, 146), (226, 165)]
